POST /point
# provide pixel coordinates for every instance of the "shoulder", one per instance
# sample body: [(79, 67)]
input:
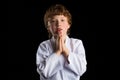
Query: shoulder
[(45, 43), (75, 40)]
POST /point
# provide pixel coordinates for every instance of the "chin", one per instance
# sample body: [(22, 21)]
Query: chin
[(59, 34)]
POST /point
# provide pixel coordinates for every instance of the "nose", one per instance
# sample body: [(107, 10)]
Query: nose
[(58, 23)]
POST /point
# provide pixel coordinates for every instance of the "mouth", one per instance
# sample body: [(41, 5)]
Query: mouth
[(58, 30)]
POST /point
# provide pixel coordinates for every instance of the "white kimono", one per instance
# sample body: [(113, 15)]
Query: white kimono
[(51, 66)]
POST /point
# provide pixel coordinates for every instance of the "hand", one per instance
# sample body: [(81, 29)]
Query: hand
[(65, 50), (61, 47), (58, 45)]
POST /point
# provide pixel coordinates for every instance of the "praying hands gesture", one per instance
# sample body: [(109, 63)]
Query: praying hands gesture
[(61, 47)]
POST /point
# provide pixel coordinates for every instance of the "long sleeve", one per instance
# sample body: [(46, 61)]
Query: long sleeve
[(51, 66), (47, 63), (77, 59)]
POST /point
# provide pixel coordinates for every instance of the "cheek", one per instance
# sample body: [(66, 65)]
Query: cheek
[(66, 27), (52, 29)]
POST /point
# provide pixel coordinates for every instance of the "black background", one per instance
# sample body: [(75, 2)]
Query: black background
[(26, 31)]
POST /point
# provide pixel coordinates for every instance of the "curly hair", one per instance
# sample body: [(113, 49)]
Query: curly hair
[(57, 9)]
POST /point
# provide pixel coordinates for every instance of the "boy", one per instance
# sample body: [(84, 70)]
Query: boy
[(60, 57)]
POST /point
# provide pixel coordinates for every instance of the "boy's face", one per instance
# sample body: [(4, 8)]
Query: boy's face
[(58, 25)]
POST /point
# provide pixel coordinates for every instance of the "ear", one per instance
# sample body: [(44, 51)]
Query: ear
[(48, 23), (68, 26), (48, 28)]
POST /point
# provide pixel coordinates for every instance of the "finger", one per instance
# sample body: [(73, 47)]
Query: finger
[(57, 42), (60, 43)]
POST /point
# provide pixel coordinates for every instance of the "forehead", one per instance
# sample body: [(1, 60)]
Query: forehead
[(59, 17)]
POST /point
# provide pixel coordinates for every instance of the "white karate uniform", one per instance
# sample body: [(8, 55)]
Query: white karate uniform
[(51, 66)]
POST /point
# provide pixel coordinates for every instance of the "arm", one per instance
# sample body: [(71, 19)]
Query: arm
[(77, 60), (47, 63)]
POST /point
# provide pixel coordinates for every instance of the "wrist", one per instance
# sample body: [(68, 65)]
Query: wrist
[(66, 57), (66, 54), (58, 52)]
